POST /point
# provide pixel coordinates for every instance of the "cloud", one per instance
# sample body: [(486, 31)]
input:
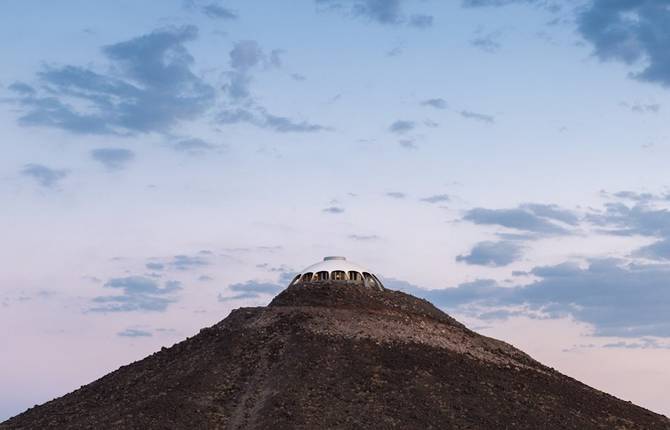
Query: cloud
[(246, 56), (134, 332), (381, 11), (396, 195), (639, 219), (333, 210), (421, 21), (642, 107), (256, 289), (551, 211), (402, 126), (187, 262), (193, 146), (437, 103), (212, 9), (539, 219), (364, 237), (150, 88), (155, 266), (638, 215), (286, 125), (181, 262), (262, 119), (113, 158), (138, 293), (385, 12), (217, 11), (659, 250), (487, 43), (438, 198), (618, 299), (494, 254), (489, 119), (630, 32), (643, 343), (637, 196), (495, 3), (407, 144), (43, 175), (394, 52)]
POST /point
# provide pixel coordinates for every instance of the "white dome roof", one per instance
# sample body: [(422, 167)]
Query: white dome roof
[(330, 264), (338, 269)]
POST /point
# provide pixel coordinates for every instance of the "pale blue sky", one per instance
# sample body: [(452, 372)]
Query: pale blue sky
[(164, 162)]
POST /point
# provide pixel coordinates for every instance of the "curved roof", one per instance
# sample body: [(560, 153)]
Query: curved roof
[(330, 264)]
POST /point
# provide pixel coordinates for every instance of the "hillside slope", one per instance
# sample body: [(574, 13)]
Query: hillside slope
[(341, 357)]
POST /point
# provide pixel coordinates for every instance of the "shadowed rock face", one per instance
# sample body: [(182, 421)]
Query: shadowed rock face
[(338, 357)]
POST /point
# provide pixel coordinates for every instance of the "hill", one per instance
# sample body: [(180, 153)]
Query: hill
[(335, 356)]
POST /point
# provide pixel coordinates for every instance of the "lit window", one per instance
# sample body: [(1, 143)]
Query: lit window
[(370, 280), (338, 275)]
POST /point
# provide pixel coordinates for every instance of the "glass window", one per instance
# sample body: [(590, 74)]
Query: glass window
[(322, 276), (338, 275), (355, 276), (307, 277), (370, 280)]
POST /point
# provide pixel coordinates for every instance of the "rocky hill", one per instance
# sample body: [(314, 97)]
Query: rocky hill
[(333, 356)]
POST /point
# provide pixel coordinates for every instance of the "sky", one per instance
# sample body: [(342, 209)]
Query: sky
[(165, 162)]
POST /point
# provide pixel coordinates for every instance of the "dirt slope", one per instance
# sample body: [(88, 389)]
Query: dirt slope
[(338, 357)]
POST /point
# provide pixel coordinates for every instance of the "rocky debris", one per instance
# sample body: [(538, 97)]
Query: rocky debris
[(337, 357)]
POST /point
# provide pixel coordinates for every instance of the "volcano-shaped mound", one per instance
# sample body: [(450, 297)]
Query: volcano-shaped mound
[(335, 356)]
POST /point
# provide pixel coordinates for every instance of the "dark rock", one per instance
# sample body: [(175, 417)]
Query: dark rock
[(338, 357)]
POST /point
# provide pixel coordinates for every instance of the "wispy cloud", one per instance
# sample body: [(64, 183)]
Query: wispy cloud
[(181, 262), (364, 237), (138, 293), (152, 89), (487, 42), (193, 146), (494, 254), (113, 158), (256, 289), (633, 32), (334, 210), (437, 198), (539, 219), (217, 11), (214, 9), (385, 12), (46, 177), (402, 126), (618, 299), (437, 103), (489, 119), (396, 195), (245, 56), (262, 119), (421, 21), (134, 332), (642, 107)]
